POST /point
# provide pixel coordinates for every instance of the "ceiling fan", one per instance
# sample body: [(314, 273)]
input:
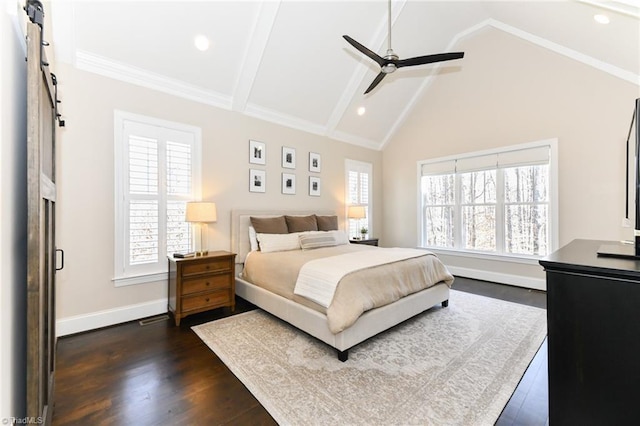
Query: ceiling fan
[(390, 62)]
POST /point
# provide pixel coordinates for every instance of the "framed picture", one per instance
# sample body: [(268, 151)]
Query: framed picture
[(288, 183), (257, 152), (288, 158), (314, 162), (314, 186), (257, 180)]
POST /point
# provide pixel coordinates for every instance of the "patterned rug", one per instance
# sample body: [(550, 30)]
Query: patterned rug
[(457, 365)]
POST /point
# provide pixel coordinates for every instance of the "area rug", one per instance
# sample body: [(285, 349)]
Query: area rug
[(448, 366)]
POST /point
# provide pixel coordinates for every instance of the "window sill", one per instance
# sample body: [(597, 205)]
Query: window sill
[(139, 279), (521, 259)]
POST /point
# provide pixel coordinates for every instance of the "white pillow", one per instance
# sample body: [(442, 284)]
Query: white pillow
[(340, 236), (253, 238), (278, 242)]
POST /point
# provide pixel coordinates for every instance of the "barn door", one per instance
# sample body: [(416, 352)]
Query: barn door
[(41, 209)]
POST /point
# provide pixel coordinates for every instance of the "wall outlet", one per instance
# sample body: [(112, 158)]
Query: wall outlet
[(626, 223)]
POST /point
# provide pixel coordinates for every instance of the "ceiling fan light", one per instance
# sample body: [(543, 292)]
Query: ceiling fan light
[(388, 68)]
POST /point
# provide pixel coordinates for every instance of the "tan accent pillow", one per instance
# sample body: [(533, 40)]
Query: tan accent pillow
[(301, 223), (327, 223), (269, 225)]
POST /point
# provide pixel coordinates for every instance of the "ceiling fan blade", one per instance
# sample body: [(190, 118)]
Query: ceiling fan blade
[(428, 59), (375, 82), (364, 50)]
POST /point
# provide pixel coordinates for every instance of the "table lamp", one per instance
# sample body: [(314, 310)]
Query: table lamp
[(356, 212), (201, 213)]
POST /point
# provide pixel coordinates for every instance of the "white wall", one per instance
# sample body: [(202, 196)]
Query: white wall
[(507, 92), (13, 202), (86, 295)]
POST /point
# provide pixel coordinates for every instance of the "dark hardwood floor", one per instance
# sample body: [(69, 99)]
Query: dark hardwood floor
[(160, 374), (529, 403)]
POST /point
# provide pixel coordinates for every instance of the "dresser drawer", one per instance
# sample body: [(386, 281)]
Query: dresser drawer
[(194, 268), (206, 283), (205, 300)]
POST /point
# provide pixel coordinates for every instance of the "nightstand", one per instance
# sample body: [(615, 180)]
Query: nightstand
[(199, 284), (366, 241)]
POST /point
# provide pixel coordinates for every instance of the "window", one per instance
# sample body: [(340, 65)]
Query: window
[(358, 192), (497, 202), (157, 172)]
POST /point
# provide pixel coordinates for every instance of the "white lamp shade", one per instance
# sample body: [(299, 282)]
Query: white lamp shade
[(201, 212), (356, 212)]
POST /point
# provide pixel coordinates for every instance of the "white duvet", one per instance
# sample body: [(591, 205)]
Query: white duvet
[(319, 278)]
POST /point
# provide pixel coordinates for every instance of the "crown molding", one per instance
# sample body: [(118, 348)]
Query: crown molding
[(565, 51), (626, 7), (272, 116), (539, 41), (106, 67), (90, 62), (355, 140)]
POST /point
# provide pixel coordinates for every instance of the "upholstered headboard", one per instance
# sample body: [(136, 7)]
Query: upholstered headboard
[(240, 222)]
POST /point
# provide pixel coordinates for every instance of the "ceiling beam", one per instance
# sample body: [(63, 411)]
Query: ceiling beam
[(361, 69), (252, 58)]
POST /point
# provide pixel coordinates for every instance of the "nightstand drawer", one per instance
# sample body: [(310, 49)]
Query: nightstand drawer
[(205, 300), (198, 284), (209, 282), (205, 266)]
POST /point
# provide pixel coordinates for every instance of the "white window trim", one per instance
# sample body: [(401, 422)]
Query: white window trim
[(553, 203), (121, 279), (350, 165)]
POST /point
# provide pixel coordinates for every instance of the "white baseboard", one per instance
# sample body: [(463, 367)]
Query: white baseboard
[(86, 322), (497, 277)]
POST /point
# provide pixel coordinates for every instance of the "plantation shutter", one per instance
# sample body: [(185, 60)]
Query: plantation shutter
[(179, 172), (157, 173), (358, 193), (143, 202)]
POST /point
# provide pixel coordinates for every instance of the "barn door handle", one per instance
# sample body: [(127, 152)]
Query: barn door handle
[(61, 259)]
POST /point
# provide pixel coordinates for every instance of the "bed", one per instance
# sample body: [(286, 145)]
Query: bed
[(267, 288)]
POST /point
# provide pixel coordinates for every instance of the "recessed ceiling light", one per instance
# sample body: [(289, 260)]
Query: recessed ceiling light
[(201, 42), (601, 19), (362, 110)]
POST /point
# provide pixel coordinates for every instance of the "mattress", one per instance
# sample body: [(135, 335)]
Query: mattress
[(358, 291)]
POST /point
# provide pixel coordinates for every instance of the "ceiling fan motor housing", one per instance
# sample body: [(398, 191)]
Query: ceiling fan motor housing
[(389, 66)]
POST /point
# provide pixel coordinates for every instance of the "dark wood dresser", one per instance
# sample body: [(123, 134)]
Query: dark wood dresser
[(198, 284), (593, 316)]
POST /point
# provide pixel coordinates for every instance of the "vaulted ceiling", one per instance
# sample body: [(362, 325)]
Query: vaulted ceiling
[(286, 61)]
